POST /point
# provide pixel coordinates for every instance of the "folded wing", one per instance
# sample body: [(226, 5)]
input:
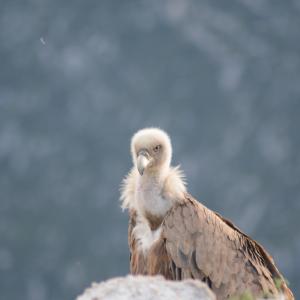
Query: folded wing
[(201, 244)]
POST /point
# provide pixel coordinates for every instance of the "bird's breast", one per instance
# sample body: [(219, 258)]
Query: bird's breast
[(152, 204), (154, 221), (145, 236)]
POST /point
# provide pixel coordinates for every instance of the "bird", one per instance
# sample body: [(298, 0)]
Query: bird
[(172, 234)]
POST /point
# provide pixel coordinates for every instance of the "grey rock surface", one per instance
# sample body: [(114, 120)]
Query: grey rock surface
[(147, 288)]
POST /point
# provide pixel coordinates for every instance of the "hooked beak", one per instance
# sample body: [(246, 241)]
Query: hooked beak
[(142, 161)]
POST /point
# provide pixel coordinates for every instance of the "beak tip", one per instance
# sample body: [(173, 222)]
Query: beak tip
[(141, 171), (142, 163)]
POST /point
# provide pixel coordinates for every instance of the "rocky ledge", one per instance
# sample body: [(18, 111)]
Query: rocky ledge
[(146, 288)]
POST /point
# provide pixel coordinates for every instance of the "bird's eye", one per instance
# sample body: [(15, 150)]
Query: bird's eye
[(157, 148)]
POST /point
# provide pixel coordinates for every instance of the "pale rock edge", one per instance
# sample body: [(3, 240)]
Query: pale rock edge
[(146, 288)]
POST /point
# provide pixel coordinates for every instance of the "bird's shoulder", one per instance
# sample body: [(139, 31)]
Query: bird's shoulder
[(193, 216)]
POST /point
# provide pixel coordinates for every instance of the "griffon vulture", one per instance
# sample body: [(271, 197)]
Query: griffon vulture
[(172, 234)]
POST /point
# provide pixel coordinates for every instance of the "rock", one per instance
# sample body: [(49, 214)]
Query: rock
[(146, 287)]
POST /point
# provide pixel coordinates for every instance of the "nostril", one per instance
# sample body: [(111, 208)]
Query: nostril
[(143, 152)]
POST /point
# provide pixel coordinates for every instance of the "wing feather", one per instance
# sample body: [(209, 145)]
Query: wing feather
[(204, 245)]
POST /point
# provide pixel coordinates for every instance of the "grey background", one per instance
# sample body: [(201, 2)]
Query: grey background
[(78, 78)]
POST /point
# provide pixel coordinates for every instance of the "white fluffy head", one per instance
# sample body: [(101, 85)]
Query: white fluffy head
[(158, 145), (171, 179)]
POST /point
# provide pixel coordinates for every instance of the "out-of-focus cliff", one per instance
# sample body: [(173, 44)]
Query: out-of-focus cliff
[(79, 78)]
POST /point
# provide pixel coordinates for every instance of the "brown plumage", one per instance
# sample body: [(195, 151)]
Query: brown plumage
[(172, 234)]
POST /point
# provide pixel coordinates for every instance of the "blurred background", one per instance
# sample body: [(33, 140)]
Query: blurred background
[(79, 78)]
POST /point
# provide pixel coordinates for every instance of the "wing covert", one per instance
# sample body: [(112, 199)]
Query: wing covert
[(208, 247)]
